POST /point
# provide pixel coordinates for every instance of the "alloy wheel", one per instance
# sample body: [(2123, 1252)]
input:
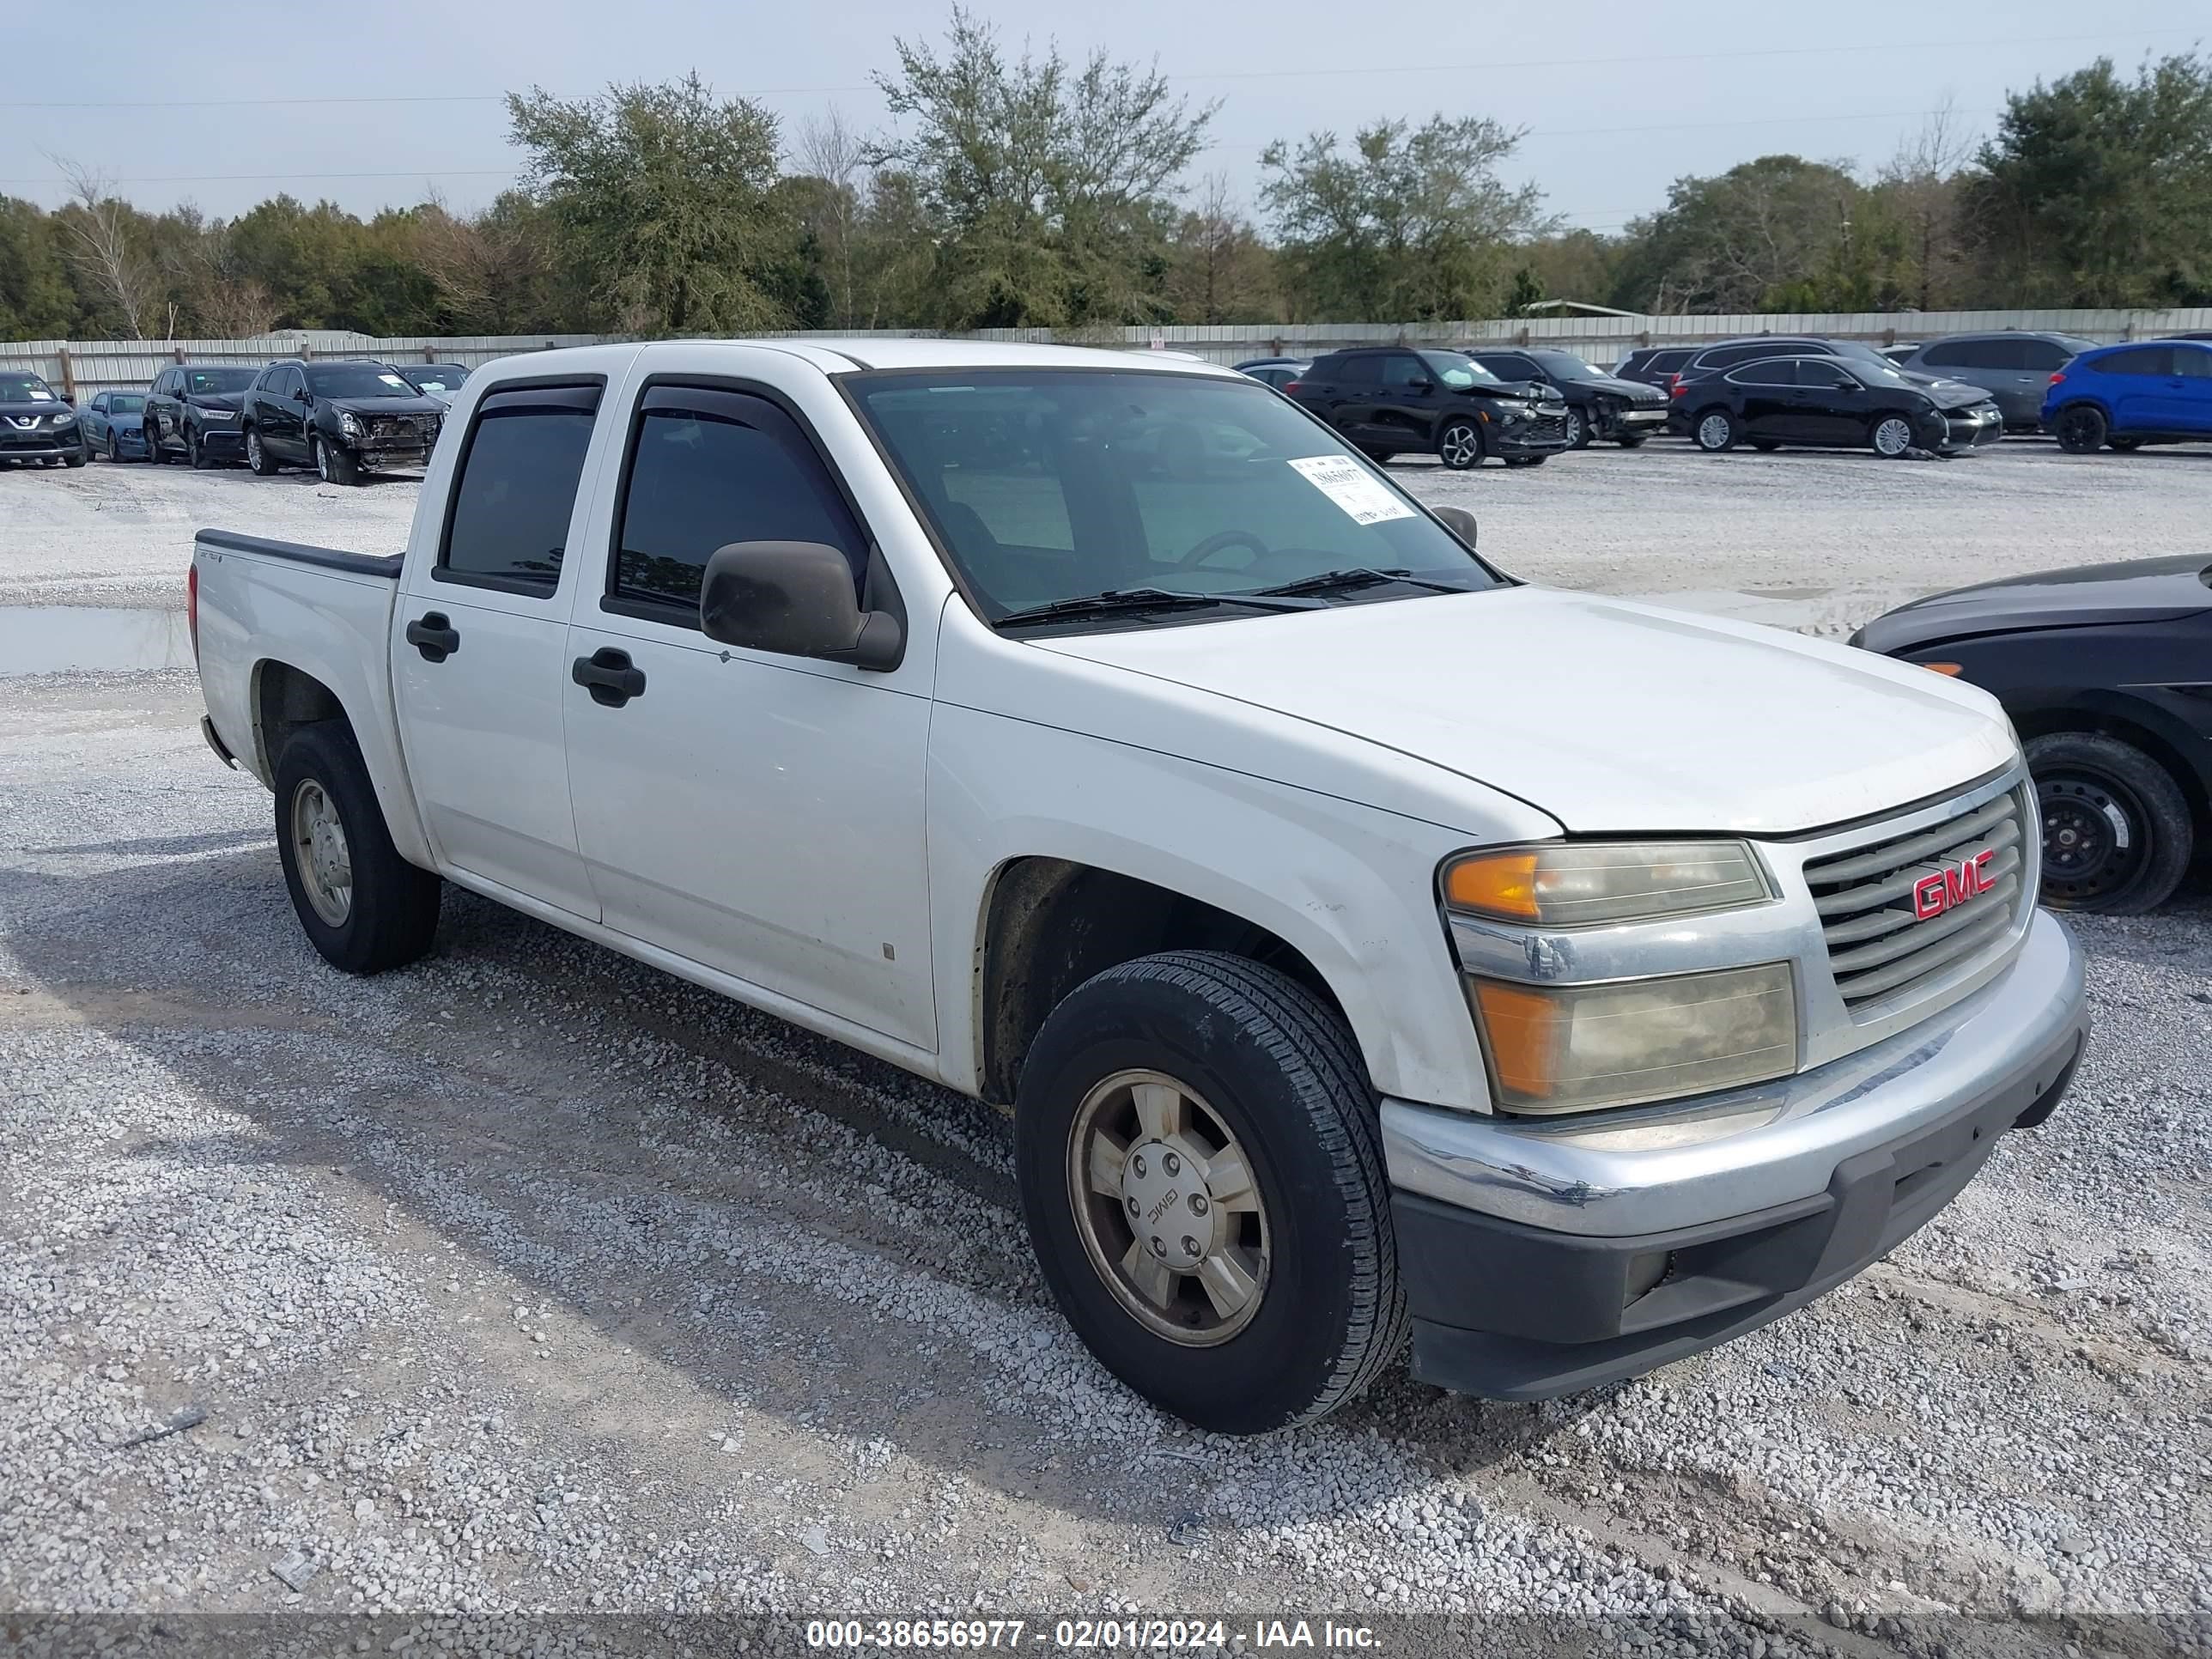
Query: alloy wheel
[(1459, 446), (1714, 432), (320, 851), (1167, 1208), (1892, 437)]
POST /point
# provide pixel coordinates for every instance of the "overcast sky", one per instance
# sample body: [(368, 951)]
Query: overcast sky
[(1618, 99)]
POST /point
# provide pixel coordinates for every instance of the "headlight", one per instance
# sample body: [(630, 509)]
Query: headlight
[(1566, 883), (63, 419), (349, 425), (207, 414), (1574, 1048)]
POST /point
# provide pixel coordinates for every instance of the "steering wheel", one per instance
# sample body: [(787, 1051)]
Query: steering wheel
[(1221, 538)]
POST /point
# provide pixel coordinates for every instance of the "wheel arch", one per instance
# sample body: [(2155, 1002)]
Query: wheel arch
[(283, 695), (1048, 924), (2131, 722)]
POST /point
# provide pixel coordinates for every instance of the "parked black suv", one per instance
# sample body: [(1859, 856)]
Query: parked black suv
[(1599, 405), (37, 424), (1394, 400), (192, 410), (343, 417), (1653, 365)]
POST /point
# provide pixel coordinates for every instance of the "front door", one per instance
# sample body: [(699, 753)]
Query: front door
[(1767, 392), (2186, 403), (479, 650), (758, 814), (1829, 406)]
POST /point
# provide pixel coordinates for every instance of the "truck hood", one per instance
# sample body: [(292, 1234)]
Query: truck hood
[(2091, 595), (1608, 716)]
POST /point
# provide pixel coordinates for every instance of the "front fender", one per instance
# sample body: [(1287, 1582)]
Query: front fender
[(1350, 887)]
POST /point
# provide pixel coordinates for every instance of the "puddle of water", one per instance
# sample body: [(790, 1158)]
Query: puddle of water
[(49, 639)]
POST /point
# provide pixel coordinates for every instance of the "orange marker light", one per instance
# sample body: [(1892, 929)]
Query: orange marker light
[(1494, 884), (1523, 1029), (1941, 667)]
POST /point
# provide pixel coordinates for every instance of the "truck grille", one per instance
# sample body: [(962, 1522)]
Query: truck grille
[(1550, 426), (1879, 948)]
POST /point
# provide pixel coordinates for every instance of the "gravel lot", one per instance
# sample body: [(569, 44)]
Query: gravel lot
[(531, 1278)]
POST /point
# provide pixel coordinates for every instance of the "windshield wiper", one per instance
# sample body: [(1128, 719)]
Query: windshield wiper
[(1357, 575), (1141, 598)]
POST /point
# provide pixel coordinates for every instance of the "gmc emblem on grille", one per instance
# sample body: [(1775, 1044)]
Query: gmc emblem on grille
[(1952, 885)]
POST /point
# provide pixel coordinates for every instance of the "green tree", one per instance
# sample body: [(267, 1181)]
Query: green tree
[(1413, 222), (1047, 183), (1572, 264), (1776, 233), (1218, 270), (663, 201), (2097, 190), (37, 301)]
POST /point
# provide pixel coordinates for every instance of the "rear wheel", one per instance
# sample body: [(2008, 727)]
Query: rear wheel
[(2117, 835), (1202, 1176), (364, 907), (2081, 429), (1715, 431), (1459, 444)]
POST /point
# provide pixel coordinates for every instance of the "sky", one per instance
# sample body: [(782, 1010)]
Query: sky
[(220, 107)]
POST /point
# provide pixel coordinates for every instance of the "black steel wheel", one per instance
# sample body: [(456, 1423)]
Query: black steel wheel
[(2117, 835)]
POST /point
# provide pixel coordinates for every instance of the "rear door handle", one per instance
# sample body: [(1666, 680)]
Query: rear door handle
[(608, 675), (434, 636)]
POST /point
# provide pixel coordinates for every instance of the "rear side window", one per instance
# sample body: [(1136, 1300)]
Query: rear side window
[(708, 467), (515, 488), (2142, 360), (1359, 371), (1783, 372), (1665, 362), (2045, 354)]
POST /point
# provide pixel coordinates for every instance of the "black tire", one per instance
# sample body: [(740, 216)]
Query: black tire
[(393, 913), (1280, 1073), (1764, 445), (2117, 834), (114, 447), (195, 456), (83, 454), (1884, 431), (1630, 439), (256, 454), (153, 444), (1526, 460), (332, 464), (1579, 428), (1459, 443), (2081, 428), (1715, 430), (2125, 445)]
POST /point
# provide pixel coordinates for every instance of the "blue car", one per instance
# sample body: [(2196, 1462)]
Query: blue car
[(112, 423), (2149, 391)]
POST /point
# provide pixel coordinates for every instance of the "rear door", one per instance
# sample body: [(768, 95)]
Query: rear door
[(1765, 396), (758, 814), (479, 650), (1352, 398)]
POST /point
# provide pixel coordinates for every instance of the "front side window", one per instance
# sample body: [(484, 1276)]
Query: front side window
[(2192, 363), (707, 468), (1403, 369), (1184, 483), (516, 487)]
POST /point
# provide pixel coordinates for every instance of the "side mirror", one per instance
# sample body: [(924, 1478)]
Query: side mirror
[(1420, 386), (300, 395), (795, 598), (1459, 521)]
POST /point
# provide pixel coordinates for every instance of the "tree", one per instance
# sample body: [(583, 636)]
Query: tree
[(1572, 264), (36, 299), (2097, 191), (1776, 233), (221, 299), (663, 198), (103, 235), (1923, 189), (1527, 291), (1218, 270), (1414, 222), (1048, 183)]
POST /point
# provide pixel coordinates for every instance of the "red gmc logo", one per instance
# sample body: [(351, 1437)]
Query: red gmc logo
[(1954, 885)]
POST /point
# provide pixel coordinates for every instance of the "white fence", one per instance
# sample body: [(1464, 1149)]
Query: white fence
[(82, 368)]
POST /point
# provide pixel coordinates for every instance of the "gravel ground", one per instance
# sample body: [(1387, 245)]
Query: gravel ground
[(530, 1278)]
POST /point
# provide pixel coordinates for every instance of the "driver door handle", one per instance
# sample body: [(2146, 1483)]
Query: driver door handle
[(608, 675)]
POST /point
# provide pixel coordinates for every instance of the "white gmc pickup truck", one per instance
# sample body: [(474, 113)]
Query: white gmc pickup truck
[(1360, 938)]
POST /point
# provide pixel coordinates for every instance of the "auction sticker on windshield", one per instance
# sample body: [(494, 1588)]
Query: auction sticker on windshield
[(1363, 498)]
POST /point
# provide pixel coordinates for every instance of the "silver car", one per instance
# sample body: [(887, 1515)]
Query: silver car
[(2014, 368)]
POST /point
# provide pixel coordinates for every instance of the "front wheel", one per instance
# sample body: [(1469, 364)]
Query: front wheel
[(195, 456), (83, 453), (1630, 439), (1526, 460), (257, 457), (1578, 429), (334, 466), (1459, 445), (1715, 431), (2081, 429), (1201, 1173), (1891, 436), (114, 448), (364, 907), (2117, 835)]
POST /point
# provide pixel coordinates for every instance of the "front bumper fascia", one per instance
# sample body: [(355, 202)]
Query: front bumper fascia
[(1523, 1246)]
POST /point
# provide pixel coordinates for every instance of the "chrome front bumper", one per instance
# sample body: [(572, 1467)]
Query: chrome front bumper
[(1613, 1175)]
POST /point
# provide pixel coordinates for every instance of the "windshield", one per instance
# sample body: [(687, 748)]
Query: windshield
[(25, 389), (1455, 370), (1569, 366), (1057, 484), (1880, 372), (358, 380), (201, 381), (436, 377), (127, 403)]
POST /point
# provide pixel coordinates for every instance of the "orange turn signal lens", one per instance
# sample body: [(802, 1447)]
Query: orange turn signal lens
[(1525, 1032), (1950, 668), (1494, 884)]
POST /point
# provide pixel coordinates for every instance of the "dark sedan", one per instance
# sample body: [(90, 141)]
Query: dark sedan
[(2104, 669), (1599, 405), (1277, 371), (1834, 402)]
